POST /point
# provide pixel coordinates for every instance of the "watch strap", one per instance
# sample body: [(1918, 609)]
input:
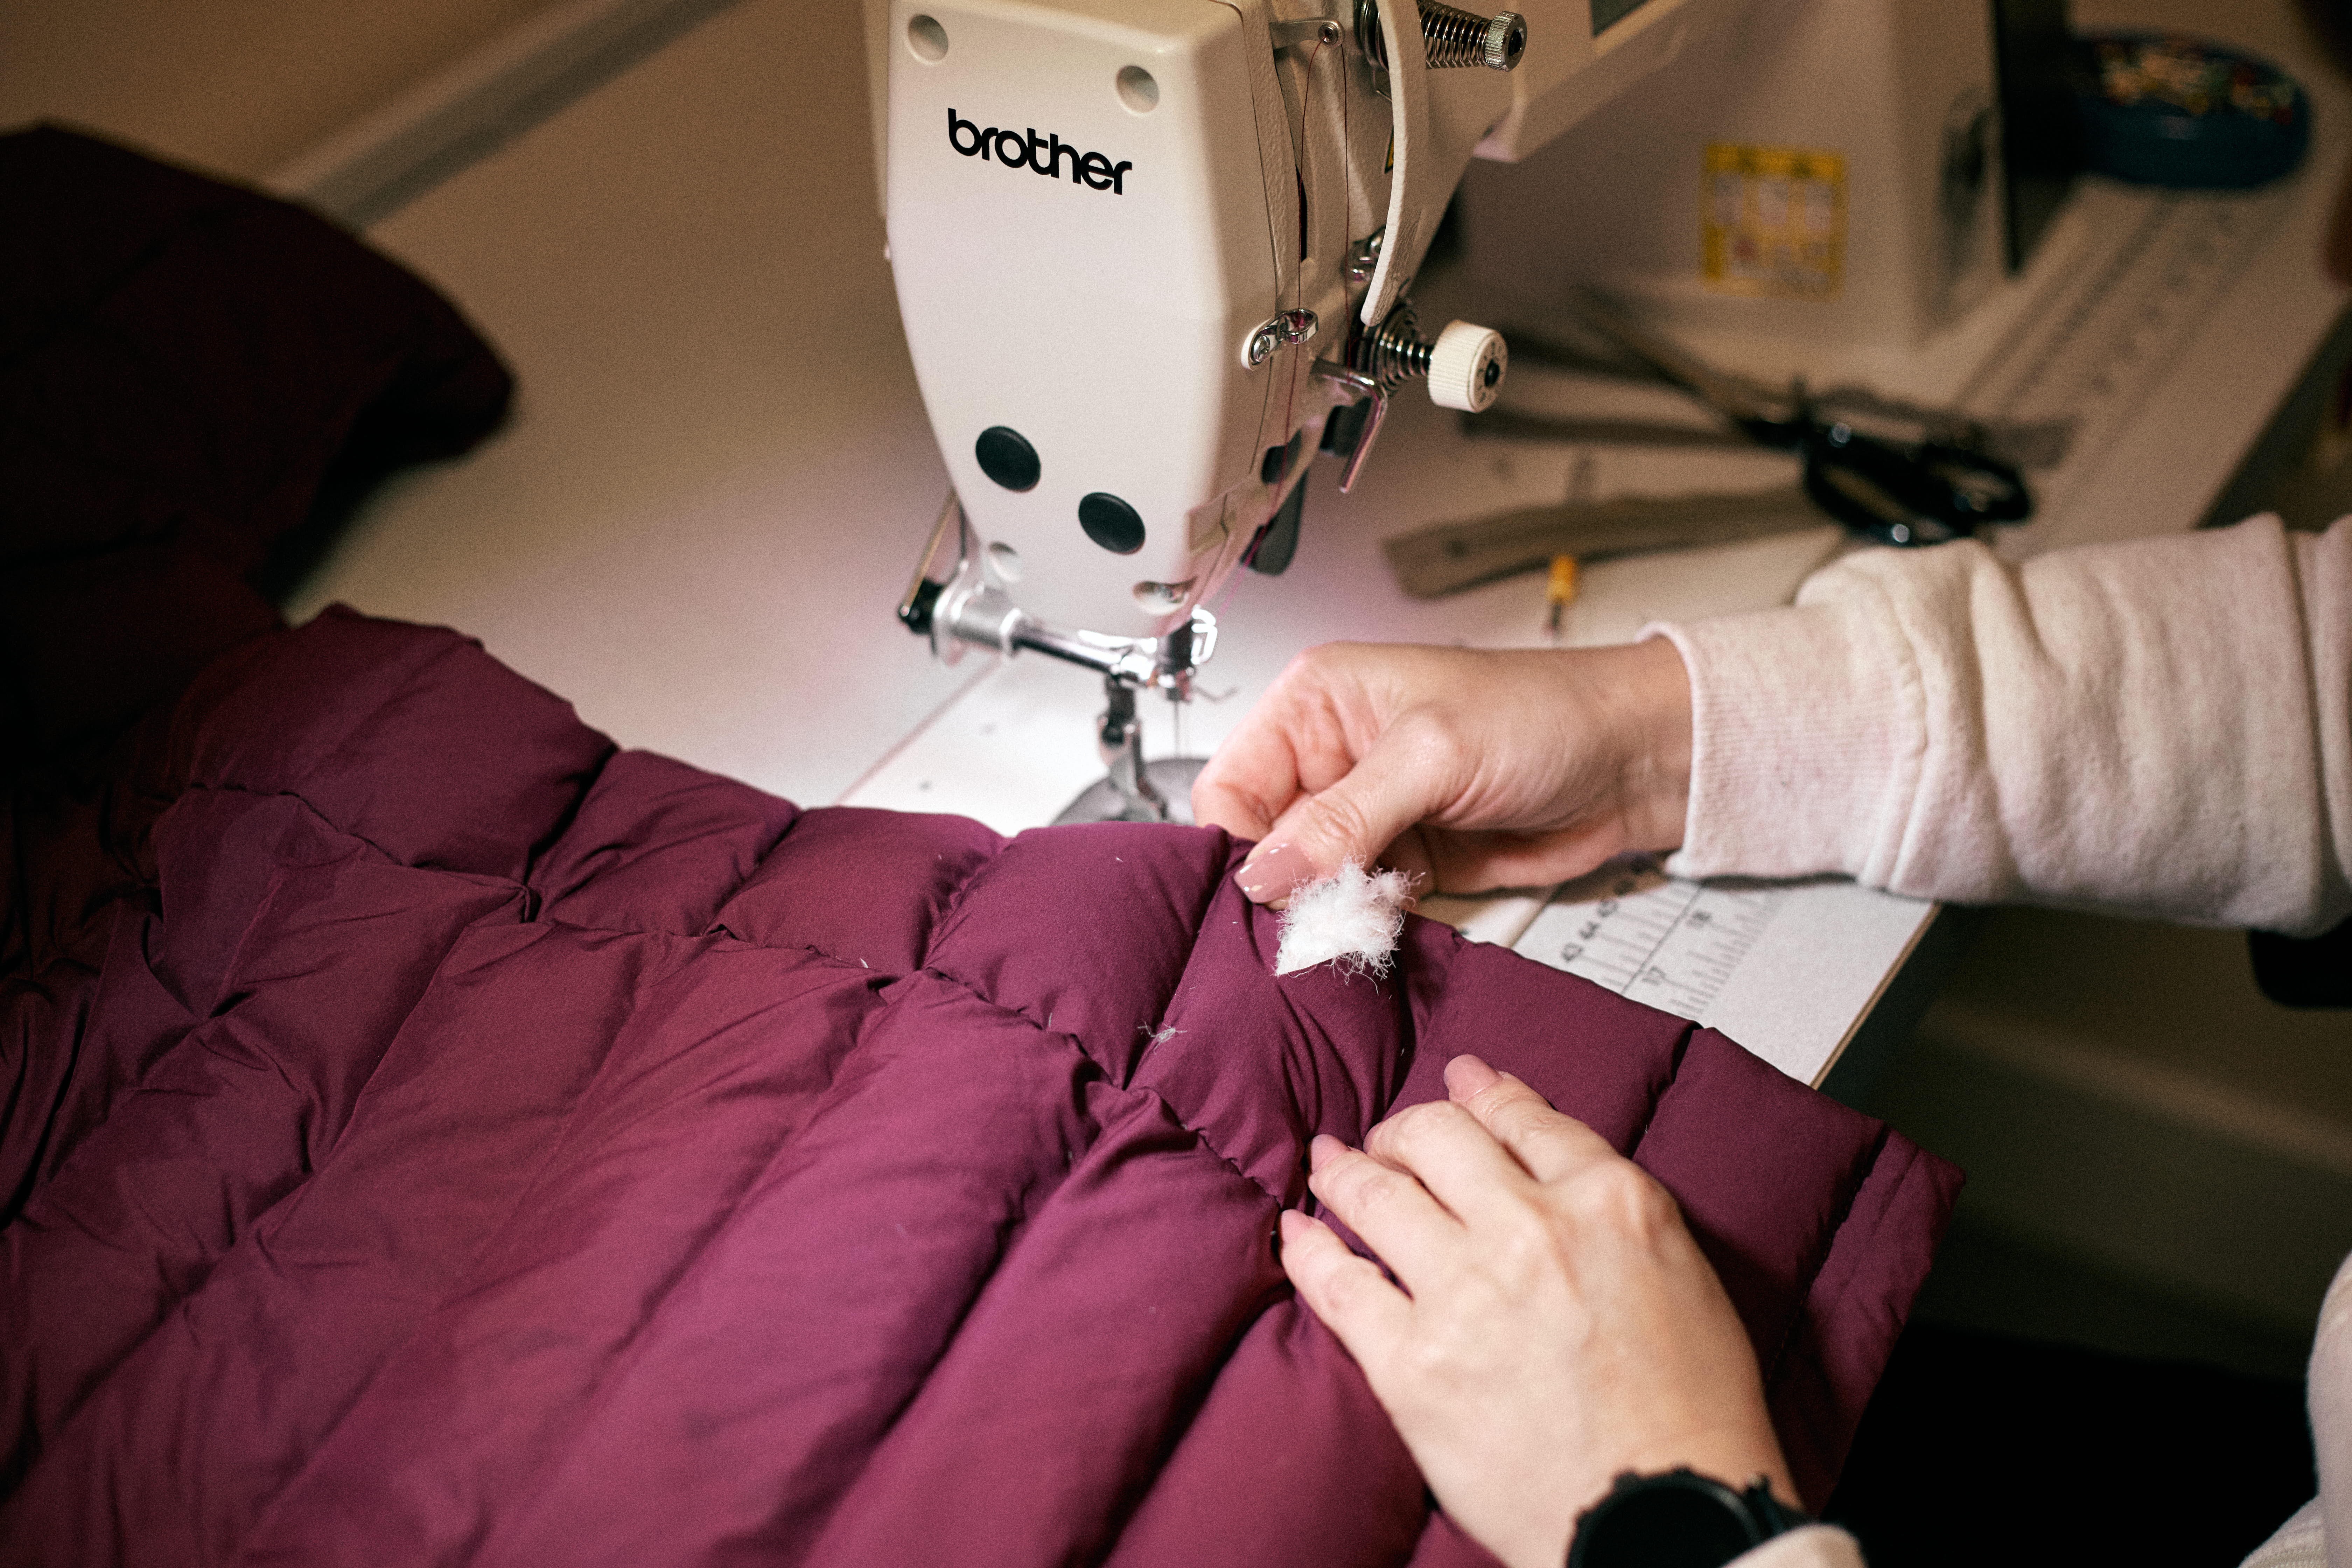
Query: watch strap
[(1679, 1519)]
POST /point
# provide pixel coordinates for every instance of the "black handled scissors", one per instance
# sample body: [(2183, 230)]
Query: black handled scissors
[(1921, 493)]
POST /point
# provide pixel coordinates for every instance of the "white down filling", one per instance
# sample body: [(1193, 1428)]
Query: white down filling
[(1350, 919)]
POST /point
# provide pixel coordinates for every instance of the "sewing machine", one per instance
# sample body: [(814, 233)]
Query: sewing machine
[(1153, 256), (1136, 327)]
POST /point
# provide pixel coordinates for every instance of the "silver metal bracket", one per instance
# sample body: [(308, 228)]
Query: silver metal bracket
[(1118, 735), (1283, 328), (1366, 389), (962, 606)]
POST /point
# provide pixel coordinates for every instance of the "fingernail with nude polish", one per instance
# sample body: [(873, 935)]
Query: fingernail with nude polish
[(1270, 874)]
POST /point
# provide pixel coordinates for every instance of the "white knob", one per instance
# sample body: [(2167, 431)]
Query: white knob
[(1465, 367)]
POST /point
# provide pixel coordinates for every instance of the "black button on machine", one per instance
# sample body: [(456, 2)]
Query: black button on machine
[(1111, 524), (1007, 457), (1270, 553), (1277, 460)]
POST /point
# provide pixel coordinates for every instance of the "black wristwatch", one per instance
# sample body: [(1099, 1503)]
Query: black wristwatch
[(1678, 1519)]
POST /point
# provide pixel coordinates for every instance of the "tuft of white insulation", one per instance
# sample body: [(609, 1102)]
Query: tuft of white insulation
[(1350, 919)]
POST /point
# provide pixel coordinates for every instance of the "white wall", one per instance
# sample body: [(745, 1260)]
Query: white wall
[(235, 87)]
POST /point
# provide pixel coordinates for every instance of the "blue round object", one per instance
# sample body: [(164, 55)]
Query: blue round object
[(2164, 108)]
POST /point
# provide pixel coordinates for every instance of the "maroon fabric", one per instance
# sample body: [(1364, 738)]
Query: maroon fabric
[(191, 377), (513, 1152)]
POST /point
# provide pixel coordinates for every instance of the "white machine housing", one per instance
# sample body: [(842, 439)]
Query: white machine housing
[(1903, 94), (1233, 192), (1098, 311)]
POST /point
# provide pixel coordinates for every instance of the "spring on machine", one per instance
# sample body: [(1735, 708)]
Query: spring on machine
[(1452, 37), (1394, 351)]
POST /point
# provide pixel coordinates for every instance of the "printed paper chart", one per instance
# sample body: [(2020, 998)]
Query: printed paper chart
[(1788, 969), (1672, 943)]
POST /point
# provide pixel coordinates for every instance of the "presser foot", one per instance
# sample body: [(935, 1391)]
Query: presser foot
[(1169, 778), (1134, 790)]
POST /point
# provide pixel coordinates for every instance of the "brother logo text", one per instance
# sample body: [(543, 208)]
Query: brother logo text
[(1039, 154)]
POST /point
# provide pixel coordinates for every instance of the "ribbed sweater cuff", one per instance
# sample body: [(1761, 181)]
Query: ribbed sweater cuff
[(1805, 743)]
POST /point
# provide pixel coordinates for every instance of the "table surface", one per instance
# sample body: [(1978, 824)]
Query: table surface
[(718, 474)]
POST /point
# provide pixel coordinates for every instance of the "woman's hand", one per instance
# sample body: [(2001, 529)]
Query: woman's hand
[(1475, 770), (1558, 1324)]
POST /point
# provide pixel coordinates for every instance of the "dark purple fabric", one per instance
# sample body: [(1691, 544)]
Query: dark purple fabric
[(516, 1151), (189, 373), (192, 376)]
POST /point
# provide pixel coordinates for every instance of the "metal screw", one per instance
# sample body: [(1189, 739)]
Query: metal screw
[(1291, 35)]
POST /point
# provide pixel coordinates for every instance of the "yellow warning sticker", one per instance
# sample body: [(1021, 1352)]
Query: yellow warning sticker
[(1773, 221)]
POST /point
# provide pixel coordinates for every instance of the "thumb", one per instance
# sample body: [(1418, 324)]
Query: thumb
[(1393, 787)]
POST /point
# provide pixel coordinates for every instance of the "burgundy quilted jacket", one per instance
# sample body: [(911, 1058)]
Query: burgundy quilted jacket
[(473, 1144)]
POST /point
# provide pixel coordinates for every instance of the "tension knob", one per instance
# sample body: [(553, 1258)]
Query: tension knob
[(1465, 367)]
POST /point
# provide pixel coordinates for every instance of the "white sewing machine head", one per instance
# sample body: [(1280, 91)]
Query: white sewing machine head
[(1152, 255)]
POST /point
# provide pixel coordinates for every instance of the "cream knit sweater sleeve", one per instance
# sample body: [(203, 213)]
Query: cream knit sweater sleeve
[(2163, 726)]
